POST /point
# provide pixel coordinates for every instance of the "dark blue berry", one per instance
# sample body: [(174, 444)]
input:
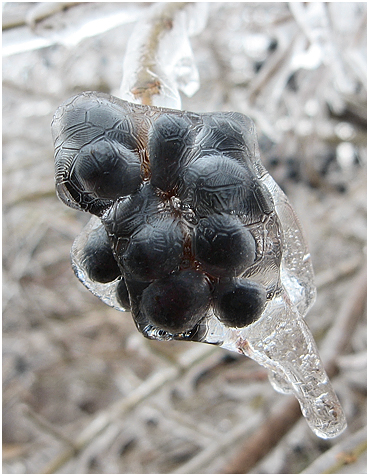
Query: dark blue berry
[(239, 302), (215, 184), (223, 245), (98, 259), (177, 302), (129, 214), (106, 170), (170, 140), (154, 252)]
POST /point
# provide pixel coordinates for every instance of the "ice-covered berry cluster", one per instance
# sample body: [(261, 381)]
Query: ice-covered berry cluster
[(187, 229), (191, 233)]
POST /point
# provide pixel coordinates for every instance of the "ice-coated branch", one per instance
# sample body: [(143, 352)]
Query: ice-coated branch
[(159, 60)]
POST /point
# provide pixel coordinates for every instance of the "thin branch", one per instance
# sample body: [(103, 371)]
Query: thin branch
[(118, 409), (342, 270), (344, 453), (339, 335), (46, 426), (144, 47), (264, 439)]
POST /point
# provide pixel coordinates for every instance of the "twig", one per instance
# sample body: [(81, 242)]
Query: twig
[(279, 59), (343, 270), (143, 48), (264, 439), (352, 309), (45, 425), (123, 406), (269, 434), (34, 14), (344, 453), (221, 444)]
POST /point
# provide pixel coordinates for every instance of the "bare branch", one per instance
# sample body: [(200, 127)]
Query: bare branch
[(118, 409), (344, 453)]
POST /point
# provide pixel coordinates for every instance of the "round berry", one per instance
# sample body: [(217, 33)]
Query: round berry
[(129, 214), (222, 134), (224, 246), (177, 302), (214, 183), (169, 139), (239, 302), (155, 251), (98, 259), (106, 170)]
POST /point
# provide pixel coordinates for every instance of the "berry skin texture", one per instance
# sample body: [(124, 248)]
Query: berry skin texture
[(239, 302), (169, 141), (215, 184), (98, 258), (154, 252), (106, 169), (178, 302), (224, 247)]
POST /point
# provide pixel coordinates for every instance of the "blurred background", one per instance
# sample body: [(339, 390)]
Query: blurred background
[(83, 391)]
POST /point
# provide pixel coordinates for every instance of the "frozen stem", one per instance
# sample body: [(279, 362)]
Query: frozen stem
[(272, 431), (148, 82), (159, 59)]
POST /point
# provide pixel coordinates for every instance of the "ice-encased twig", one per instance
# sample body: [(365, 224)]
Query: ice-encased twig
[(298, 357), (155, 69), (159, 60), (282, 342)]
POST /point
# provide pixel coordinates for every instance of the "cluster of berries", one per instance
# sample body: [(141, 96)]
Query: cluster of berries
[(184, 218)]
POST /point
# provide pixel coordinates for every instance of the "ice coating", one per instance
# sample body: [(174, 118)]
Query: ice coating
[(199, 241), (159, 61)]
